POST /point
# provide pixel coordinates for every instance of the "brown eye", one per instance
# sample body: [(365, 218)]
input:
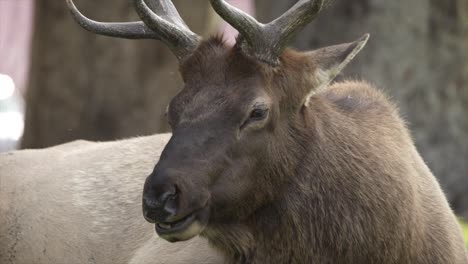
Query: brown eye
[(258, 114)]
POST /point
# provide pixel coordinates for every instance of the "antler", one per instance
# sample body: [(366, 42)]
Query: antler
[(160, 20), (266, 42)]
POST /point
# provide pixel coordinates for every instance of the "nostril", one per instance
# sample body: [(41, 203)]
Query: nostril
[(171, 205), (169, 200), (151, 203), (171, 194), (154, 201), (158, 207)]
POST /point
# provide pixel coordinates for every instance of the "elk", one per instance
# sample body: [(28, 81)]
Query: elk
[(80, 203), (272, 163)]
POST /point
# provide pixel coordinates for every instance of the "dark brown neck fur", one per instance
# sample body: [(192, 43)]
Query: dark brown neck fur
[(343, 176), (324, 212)]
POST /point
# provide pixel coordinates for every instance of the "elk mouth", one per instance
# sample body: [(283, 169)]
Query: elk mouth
[(184, 228)]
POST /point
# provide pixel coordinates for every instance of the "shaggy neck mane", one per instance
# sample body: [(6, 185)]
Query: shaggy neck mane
[(293, 225), (320, 211), (315, 208)]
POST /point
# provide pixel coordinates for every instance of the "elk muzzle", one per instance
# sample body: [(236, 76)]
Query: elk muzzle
[(178, 210)]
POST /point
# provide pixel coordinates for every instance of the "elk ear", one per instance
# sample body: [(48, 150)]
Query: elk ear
[(330, 61)]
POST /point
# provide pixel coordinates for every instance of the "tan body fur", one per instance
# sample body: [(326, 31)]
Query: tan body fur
[(81, 203)]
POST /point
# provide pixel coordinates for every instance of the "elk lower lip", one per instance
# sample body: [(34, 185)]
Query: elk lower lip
[(185, 228), (165, 228)]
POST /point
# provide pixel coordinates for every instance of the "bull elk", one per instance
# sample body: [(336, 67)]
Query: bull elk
[(271, 163)]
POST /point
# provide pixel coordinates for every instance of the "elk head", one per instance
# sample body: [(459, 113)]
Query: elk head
[(241, 119)]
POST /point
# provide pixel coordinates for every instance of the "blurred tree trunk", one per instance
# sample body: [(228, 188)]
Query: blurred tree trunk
[(84, 86), (418, 54)]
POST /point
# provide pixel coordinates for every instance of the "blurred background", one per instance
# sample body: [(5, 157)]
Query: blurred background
[(60, 83)]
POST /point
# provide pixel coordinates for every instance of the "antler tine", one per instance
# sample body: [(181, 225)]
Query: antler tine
[(266, 42), (293, 21), (165, 20), (167, 11), (161, 21), (130, 30), (248, 27)]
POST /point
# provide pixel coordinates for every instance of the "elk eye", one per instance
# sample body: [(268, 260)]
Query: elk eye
[(258, 114)]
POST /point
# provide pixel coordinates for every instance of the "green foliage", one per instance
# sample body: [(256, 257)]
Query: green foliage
[(465, 231)]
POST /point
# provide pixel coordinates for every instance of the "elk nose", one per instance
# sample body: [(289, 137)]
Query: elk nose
[(159, 206)]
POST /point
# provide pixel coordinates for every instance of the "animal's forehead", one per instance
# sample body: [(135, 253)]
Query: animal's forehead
[(211, 101), (218, 80), (214, 62)]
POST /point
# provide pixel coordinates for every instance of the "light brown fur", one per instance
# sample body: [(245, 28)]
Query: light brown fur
[(80, 203)]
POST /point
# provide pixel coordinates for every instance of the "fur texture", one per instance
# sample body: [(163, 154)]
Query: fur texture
[(81, 203), (338, 180)]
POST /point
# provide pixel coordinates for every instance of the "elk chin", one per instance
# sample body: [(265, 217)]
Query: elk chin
[(184, 229)]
